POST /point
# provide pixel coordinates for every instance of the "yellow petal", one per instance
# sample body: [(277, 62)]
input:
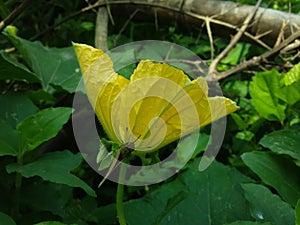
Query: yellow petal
[(156, 107), (101, 82)]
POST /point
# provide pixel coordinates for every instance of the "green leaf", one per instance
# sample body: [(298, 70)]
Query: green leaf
[(292, 76), (6, 220), (54, 167), (8, 139), (46, 196), (42, 126), (297, 213), (242, 125), (12, 70), (263, 89), (268, 207), (41, 97), (278, 172), (15, 107), (237, 54), (54, 66), (290, 94), (237, 87), (53, 223), (213, 196), (286, 141), (248, 223)]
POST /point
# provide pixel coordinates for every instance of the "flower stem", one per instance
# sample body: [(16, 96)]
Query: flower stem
[(120, 191)]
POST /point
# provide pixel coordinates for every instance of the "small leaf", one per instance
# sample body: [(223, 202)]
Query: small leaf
[(54, 167), (242, 125), (262, 90), (278, 172), (292, 76), (6, 220), (237, 54), (267, 207), (42, 126), (286, 141)]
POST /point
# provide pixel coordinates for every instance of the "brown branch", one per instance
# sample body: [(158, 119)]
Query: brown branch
[(212, 72), (14, 14), (257, 59)]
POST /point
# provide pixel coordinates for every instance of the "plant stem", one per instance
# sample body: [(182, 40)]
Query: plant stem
[(16, 200), (120, 191)]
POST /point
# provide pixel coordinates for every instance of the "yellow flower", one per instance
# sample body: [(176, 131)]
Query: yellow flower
[(158, 105)]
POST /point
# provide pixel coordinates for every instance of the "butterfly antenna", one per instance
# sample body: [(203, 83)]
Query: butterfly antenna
[(110, 170)]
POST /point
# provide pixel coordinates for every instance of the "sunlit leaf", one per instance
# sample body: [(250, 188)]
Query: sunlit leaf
[(263, 89), (293, 75)]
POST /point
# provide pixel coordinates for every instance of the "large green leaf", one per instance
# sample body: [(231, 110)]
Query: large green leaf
[(263, 89), (292, 76), (15, 107), (268, 207), (297, 213), (277, 171), (213, 196), (286, 141), (54, 66), (47, 196), (42, 126), (12, 70), (54, 167), (8, 139), (6, 220)]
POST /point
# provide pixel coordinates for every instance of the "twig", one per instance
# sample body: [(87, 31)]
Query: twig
[(213, 67), (257, 59), (15, 13), (126, 24), (211, 40), (281, 33)]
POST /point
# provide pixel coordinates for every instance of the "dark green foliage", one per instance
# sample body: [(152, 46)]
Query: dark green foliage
[(44, 179)]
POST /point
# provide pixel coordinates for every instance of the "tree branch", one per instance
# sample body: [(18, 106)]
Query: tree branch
[(257, 59), (15, 13), (212, 72)]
